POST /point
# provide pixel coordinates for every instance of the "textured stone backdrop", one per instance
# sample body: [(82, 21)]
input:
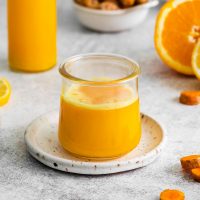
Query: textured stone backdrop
[(23, 178)]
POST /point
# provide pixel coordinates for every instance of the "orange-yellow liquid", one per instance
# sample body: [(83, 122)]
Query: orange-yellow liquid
[(99, 123), (32, 34)]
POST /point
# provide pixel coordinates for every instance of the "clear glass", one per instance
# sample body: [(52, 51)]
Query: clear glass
[(99, 111)]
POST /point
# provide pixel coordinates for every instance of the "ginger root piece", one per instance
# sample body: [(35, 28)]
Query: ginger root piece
[(141, 1), (190, 97), (196, 174), (127, 3), (109, 5), (190, 162), (172, 195), (91, 3)]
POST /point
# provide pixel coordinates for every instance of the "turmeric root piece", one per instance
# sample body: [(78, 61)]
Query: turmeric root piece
[(91, 3), (190, 162), (172, 195), (79, 2), (127, 3), (109, 5), (114, 1), (190, 97), (141, 1), (196, 174)]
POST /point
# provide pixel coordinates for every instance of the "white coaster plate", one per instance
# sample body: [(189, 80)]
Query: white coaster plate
[(42, 144)]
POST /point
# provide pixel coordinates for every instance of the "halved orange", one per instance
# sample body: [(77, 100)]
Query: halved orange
[(5, 91), (176, 33), (196, 60)]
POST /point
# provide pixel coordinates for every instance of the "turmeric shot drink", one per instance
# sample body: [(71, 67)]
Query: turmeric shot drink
[(99, 111), (31, 34)]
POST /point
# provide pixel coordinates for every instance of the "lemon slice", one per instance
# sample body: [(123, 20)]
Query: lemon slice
[(196, 60), (5, 91)]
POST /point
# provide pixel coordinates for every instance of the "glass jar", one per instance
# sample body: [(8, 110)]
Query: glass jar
[(99, 111)]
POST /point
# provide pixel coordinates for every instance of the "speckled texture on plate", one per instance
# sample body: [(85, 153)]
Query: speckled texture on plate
[(24, 178), (42, 142)]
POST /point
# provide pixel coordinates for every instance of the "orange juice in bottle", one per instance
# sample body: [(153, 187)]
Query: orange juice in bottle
[(99, 117), (32, 34)]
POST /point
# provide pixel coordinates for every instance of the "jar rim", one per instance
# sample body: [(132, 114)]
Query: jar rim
[(135, 66)]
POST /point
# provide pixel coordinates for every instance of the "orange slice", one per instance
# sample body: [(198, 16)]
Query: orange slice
[(196, 60), (5, 91), (176, 33)]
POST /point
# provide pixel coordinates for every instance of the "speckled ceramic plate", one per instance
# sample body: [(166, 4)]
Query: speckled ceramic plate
[(42, 143)]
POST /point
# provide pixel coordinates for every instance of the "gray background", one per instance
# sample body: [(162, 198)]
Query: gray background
[(22, 177)]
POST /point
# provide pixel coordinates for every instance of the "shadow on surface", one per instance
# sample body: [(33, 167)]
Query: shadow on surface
[(161, 74), (4, 65), (176, 171)]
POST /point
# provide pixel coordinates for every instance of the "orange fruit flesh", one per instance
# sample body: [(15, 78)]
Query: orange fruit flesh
[(180, 24), (181, 30), (99, 122)]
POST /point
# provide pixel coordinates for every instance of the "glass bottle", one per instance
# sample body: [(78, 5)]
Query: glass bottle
[(31, 34)]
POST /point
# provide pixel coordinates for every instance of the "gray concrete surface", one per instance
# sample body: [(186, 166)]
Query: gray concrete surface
[(23, 178)]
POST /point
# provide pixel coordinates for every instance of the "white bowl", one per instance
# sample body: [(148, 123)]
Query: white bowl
[(113, 21)]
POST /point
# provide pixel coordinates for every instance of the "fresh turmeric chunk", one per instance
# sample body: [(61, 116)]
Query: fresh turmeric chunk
[(172, 195), (91, 3), (196, 174), (190, 97), (109, 5), (113, 1), (190, 162), (127, 3), (141, 1), (79, 2)]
